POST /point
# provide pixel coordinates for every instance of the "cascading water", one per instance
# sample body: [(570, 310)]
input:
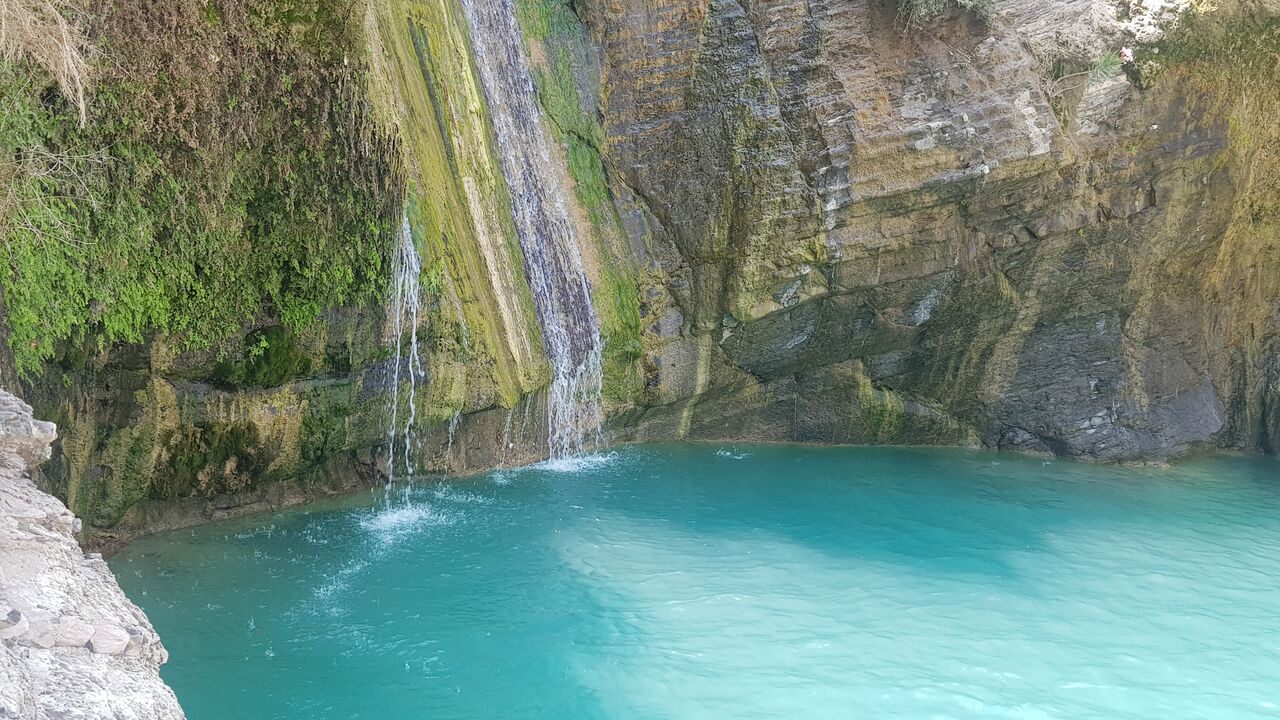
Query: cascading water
[(552, 259), (453, 432), (406, 299)]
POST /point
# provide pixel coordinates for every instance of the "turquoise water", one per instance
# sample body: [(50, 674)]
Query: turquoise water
[(749, 582)]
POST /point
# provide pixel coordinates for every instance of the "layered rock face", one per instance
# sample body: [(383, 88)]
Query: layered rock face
[(800, 223), (72, 646), (947, 235)]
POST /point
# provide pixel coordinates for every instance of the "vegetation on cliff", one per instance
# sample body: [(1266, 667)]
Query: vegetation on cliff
[(220, 172), (1234, 60)]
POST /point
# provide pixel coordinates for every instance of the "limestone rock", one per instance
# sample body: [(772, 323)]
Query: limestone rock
[(72, 646), (930, 227), (109, 640)]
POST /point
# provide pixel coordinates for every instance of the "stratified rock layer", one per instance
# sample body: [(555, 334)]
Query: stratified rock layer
[(952, 233), (72, 646)]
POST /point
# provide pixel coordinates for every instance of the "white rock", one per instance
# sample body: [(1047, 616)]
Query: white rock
[(72, 632), (109, 640), (16, 697), (71, 644)]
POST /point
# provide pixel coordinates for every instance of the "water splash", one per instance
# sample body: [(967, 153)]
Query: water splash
[(405, 307), (447, 494), (552, 258), (732, 454), (391, 524), (506, 439), (577, 463)]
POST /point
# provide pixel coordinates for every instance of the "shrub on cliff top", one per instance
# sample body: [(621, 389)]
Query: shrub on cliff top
[(38, 31)]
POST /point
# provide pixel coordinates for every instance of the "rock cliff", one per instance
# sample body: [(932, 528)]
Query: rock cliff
[(72, 646), (967, 233), (1050, 227)]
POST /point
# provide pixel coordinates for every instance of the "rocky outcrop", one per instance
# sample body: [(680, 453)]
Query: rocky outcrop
[(966, 218), (153, 440), (72, 646)]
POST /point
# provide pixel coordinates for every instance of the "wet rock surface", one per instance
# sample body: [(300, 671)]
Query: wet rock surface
[(72, 646)]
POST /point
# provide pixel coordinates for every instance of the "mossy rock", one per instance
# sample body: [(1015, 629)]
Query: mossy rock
[(324, 431), (272, 356), (210, 460)]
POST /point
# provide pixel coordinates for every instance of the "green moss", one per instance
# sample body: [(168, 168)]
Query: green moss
[(324, 432), (880, 412), (914, 14), (554, 25), (1230, 60), (226, 173), (545, 19), (623, 347), (558, 93), (480, 314), (581, 134), (271, 357), (535, 18), (209, 460), (961, 353), (1237, 48), (120, 480), (107, 470)]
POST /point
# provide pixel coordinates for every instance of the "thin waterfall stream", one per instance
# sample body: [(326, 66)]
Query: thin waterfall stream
[(405, 309), (552, 256)]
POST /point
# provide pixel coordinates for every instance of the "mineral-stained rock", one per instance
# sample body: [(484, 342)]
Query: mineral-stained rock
[(1038, 264), (66, 628)]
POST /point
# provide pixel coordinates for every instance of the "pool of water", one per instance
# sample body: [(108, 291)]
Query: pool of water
[(745, 582)]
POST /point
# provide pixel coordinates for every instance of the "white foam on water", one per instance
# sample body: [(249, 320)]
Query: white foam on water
[(732, 454), (264, 531), (444, 493), (386, 526), (338, 581), (577, 463), (392, 522)]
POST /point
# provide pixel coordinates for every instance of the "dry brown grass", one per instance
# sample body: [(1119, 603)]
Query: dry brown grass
[(38, 31)]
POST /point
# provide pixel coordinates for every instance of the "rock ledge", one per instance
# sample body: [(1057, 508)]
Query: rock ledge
[(72, 646)]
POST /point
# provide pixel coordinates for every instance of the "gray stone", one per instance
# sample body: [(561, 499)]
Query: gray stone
[(12, 623)]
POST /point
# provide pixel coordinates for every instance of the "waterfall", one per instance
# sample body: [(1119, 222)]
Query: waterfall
[(448, 448), (552, 259), (406, 302)]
